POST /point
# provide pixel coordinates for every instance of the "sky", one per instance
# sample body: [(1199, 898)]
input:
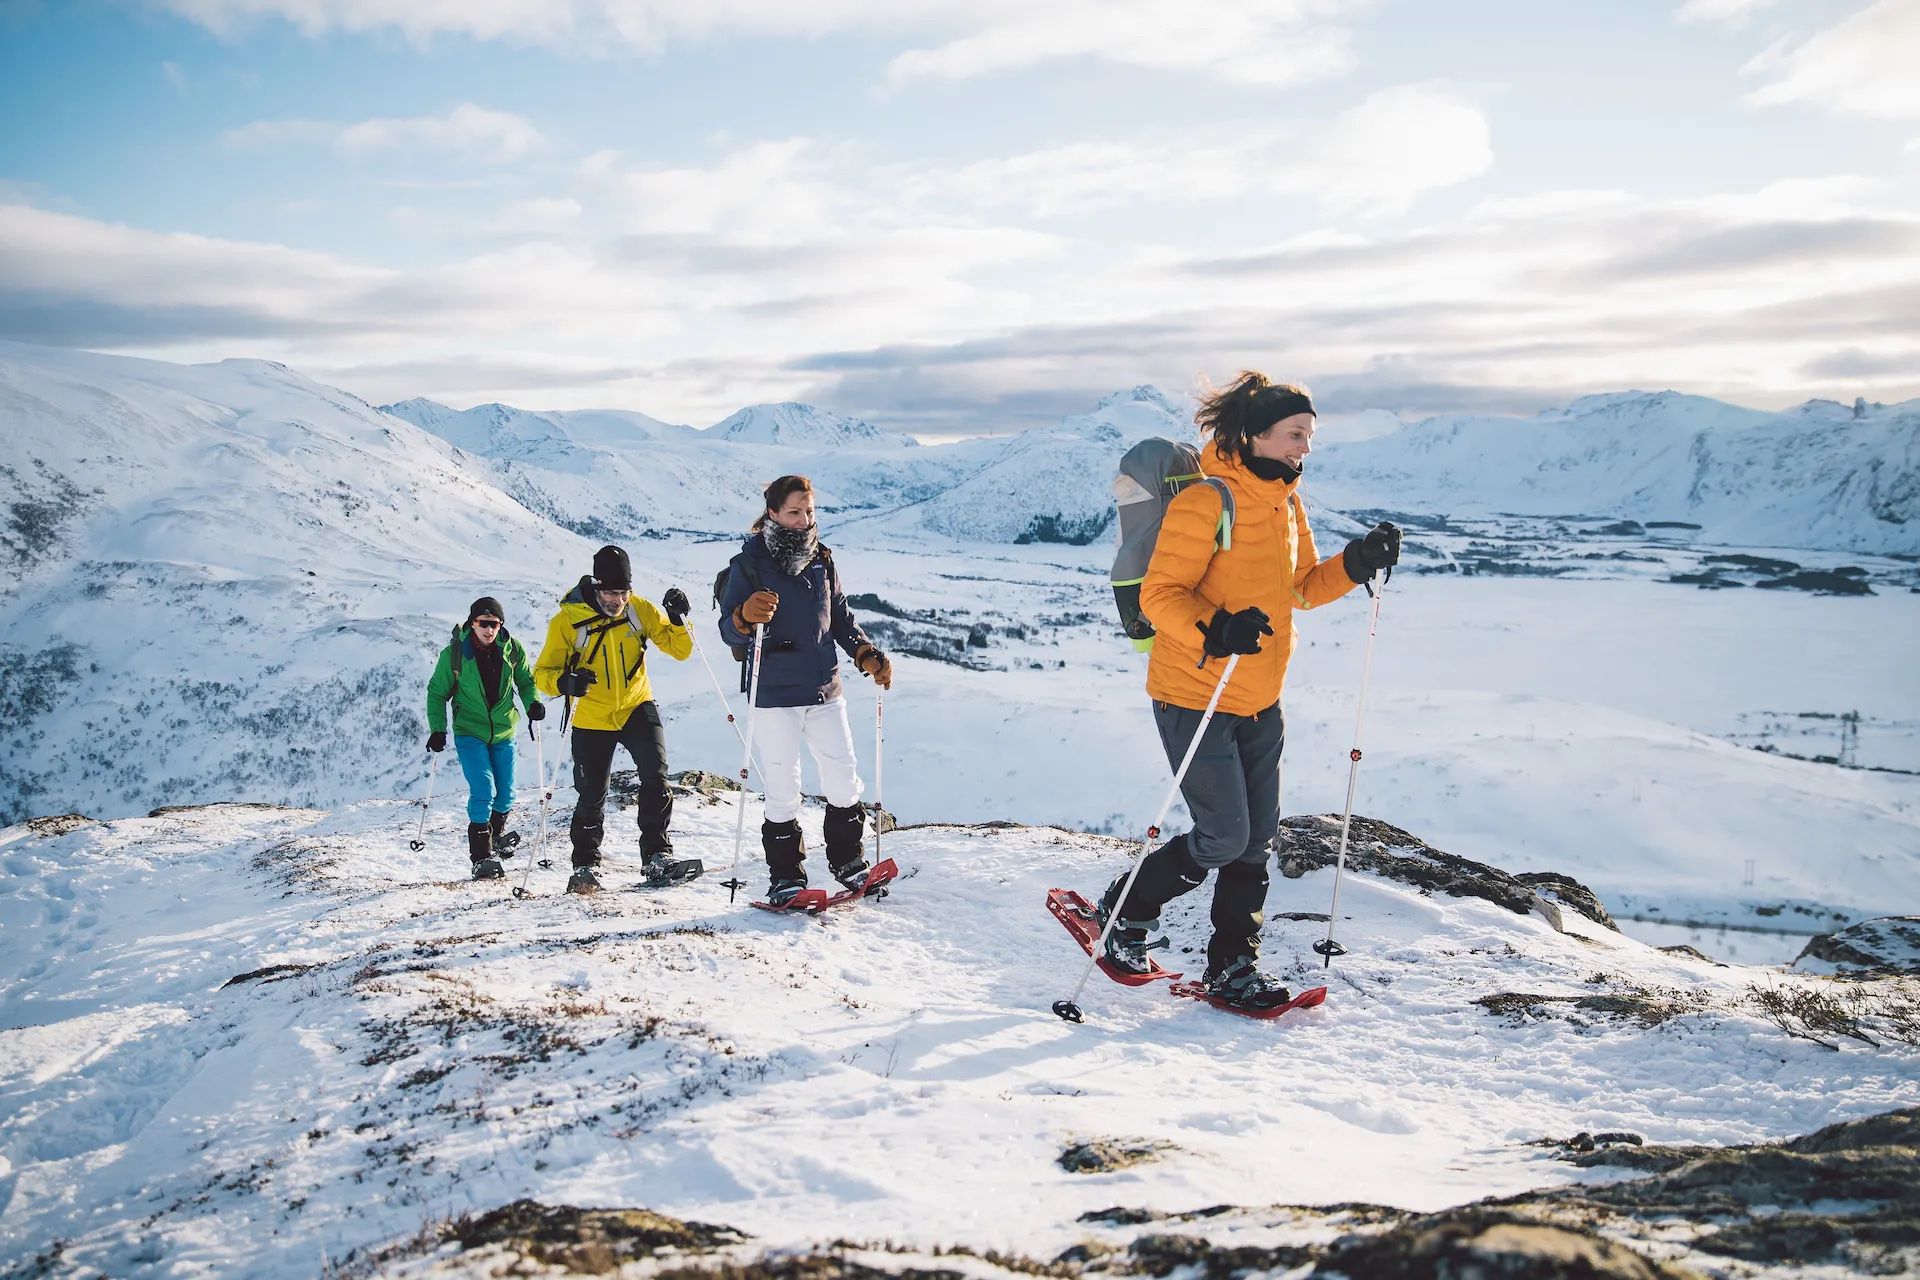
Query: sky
[(957, 216)]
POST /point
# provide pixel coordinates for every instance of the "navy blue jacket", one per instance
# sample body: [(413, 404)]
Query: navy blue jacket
[(798, 667)]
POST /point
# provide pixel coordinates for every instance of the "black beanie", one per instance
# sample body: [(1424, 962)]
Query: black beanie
[(611, 569), (486, 607)]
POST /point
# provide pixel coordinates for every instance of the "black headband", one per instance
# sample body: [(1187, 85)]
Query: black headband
[(1271, 404)]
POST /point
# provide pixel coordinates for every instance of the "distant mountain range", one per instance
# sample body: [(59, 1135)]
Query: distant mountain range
[(223, 580)]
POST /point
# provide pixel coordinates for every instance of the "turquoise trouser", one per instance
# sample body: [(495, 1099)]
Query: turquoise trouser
[(489, 770)]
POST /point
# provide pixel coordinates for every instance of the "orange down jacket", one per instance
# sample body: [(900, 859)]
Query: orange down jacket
[(1272, 564)]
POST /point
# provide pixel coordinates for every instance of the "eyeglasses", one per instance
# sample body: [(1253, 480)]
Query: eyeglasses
[(487, 624)]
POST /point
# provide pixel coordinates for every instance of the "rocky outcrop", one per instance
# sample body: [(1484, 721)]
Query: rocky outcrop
[(1311, 842), (1885, 944)]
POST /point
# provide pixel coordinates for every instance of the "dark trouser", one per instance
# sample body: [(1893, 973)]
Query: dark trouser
[(1232, 789), (646, 742)]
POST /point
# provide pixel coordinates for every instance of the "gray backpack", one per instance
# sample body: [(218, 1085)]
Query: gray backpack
[(1151, 473)]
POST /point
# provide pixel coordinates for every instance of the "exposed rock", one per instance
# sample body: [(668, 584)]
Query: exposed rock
[(1312, 841), (1571, 893), (1106, 1155), (1162, 1255), (166, 809), (584, 1241), (58, 824), (1477, 1243), (1648, 1007), (1885, 944)]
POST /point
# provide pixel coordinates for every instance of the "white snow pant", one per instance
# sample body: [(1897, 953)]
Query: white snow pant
[(778, 733)]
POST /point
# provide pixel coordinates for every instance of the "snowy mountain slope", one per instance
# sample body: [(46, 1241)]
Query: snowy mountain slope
[(246, 588), (802, 426), (1804, 478), (268, 1042), (1054, 485), (558, 441)]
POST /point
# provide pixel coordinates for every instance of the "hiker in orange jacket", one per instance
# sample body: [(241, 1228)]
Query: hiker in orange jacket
[(1206, 604)]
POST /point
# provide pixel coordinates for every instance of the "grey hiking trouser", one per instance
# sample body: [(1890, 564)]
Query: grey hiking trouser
[(1232, 788)]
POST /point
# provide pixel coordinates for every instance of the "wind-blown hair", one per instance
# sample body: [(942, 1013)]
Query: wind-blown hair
[(1245, 408)]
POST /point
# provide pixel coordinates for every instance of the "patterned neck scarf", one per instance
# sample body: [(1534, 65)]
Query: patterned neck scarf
[(792, 549)]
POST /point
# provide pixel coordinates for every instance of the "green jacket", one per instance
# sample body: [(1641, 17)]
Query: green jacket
[(472, 717)]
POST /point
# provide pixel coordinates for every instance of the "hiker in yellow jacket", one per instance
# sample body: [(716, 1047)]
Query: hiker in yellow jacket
[(595, 657), (1207, 604)]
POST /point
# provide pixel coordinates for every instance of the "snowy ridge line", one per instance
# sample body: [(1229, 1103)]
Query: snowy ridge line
[(448, 1051)]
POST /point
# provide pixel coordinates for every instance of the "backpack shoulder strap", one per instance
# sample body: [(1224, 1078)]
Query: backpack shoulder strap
[(458, 654), (1223, 536)]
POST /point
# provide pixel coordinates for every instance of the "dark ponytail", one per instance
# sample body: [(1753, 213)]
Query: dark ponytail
[(1246, 407), (777, 494)]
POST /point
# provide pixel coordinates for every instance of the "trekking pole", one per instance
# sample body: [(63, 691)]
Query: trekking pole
[(733, 881), (878, 740), (1067, 1008), (716, 687), (540, 849), (1328, 949), (419, 840)]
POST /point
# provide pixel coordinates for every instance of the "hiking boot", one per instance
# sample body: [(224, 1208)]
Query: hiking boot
[(488, 869), (1240, 983), (479, 841), (583, 881), (1128, 941), (1128, 945), (853, 875), (503, 840), (784, 889)]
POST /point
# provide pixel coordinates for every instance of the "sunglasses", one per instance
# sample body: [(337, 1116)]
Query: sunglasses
[(487, 624)]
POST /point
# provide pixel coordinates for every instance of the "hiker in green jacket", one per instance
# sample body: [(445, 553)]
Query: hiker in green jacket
[(479, 672)]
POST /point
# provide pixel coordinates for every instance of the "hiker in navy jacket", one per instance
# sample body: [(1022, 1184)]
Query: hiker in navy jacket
[(784, 579)]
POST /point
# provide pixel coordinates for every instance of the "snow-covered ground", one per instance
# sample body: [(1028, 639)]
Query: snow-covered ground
[(421, 1046)]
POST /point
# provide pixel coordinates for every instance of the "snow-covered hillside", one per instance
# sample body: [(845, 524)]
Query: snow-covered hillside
[(226, 578), (276, 1043), (1811, 477), (802, 426)]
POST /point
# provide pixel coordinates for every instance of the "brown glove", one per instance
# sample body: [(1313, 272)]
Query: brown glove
[(755, 609), (874, 663)]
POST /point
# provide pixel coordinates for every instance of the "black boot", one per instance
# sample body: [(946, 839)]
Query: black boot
[(1166, 873), (583, 880), (785, 852), (480, 852), (1239, 909), (846, 833), (1239, 982), (503, 839)]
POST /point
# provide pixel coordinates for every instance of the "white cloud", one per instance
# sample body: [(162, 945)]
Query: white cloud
[(1255, 42), (495, 137), (1732, 13), (1376, 158), (1258, 42), (1399, 143), (1864, 66), (176, 76)]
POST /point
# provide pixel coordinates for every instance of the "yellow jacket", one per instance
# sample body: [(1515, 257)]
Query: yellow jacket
[(1272, 564), (614, 649)]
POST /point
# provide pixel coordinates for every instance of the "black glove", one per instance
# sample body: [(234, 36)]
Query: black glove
[(1231, 633), (538, 711), (677, 607), (437, 740), (1380, 549), (574, 683)]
